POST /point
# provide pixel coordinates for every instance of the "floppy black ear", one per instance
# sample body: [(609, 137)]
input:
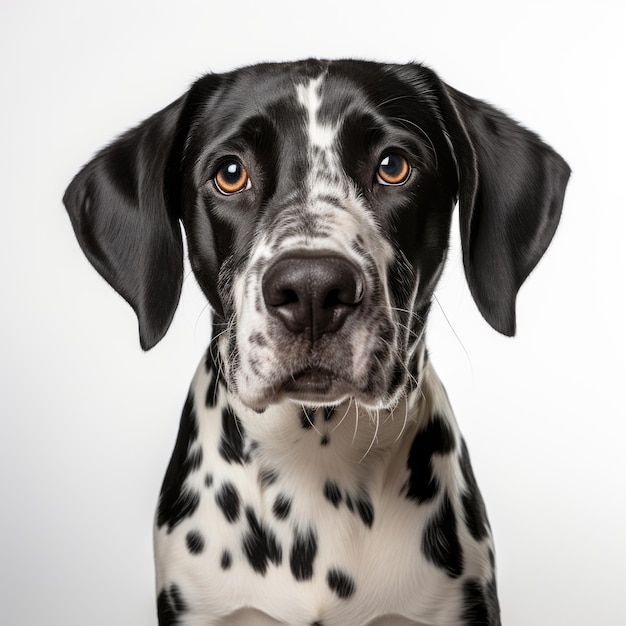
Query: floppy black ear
[(119, 209), (511, 194)]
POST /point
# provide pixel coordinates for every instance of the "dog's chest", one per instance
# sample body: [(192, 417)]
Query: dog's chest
[(302, 517)]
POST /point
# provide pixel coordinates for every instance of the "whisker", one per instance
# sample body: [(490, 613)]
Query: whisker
[(308, 419), (344, 416), (356, 422), (467, 356), (374, 437)]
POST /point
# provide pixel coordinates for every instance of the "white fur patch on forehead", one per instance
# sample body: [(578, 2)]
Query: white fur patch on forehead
[(320, 135)]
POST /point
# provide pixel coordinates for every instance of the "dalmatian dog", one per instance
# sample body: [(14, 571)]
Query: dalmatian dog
[(319, 477)]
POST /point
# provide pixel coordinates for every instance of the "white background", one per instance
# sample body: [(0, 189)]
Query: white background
[(88, 421)]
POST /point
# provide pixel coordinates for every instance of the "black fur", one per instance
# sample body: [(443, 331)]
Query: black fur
[(436, 438), (176, 501)]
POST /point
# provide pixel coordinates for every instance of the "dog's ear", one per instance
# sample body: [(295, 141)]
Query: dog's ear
[(511, 194), (127, 225)]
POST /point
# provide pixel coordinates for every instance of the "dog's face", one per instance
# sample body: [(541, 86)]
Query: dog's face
[(328, 193), (317, 199)]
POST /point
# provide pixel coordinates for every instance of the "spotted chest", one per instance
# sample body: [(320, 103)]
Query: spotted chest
[(328, 518)]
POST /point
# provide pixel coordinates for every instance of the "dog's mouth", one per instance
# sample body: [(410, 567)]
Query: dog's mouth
[(315, 384), (311, 379)]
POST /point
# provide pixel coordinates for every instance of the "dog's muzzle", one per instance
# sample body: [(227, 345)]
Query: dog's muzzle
[(311, 296)]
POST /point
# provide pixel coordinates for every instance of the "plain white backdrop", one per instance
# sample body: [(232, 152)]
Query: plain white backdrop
[(87, 420)]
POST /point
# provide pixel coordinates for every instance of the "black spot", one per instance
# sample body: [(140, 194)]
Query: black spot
[(208, 481), (257, 339), (227, 560), (249, 453), (332, 493), (480, 603), (436, 438), (194, 460), (340, 583), (227, 499), (307, 418), (303, 552), (329, 412), (177, 600), (268, 477), (365, 510), (440, 542), (334, 201), (176, 502), (195, 542), (474, 510), (170, 606), (184, 506), (282, 506), (231, 442), (259, 544), (255, 366), (349, 504), (325, 440)]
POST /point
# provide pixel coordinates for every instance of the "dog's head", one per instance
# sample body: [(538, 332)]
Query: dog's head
[(316, 198)]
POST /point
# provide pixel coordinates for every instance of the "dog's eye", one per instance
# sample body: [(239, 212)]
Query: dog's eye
[(232, 177), (393, 169)]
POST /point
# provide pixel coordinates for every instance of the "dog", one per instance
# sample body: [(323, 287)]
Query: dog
[(319, 476)]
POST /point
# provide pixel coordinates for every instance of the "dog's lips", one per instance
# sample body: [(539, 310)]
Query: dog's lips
[(306, 383), (313, 379), (315, 384)]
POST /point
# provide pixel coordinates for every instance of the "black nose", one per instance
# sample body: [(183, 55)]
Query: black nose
[(312, 294)]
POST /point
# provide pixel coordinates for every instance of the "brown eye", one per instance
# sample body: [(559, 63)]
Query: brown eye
[(393, 169), (232, 177)]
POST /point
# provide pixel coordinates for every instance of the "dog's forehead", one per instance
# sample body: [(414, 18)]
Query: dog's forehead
[(294, 95), (340, 81)]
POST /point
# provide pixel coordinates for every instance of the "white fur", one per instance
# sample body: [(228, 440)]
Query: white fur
[(320, 135)]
